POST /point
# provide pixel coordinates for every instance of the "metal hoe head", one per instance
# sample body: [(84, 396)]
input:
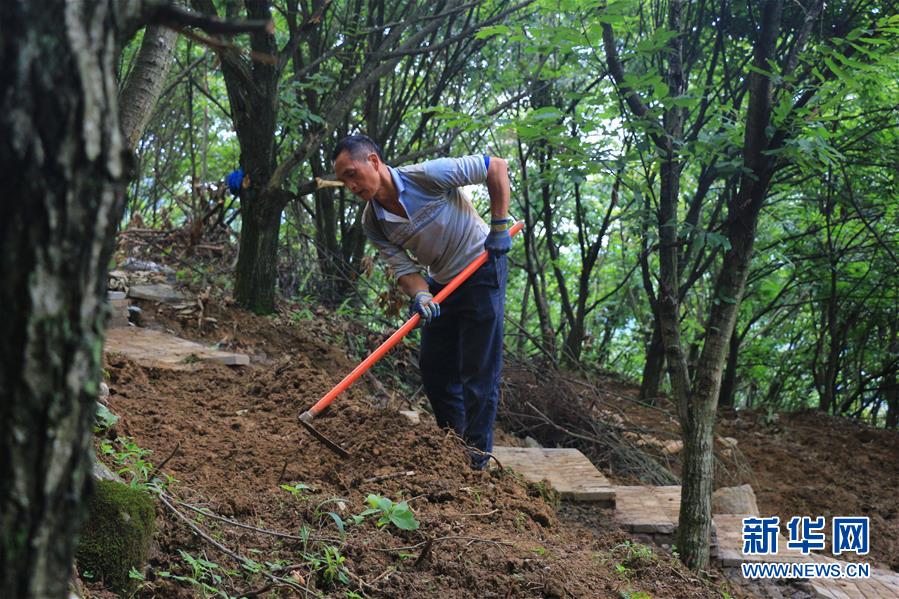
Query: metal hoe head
[(305, 419)]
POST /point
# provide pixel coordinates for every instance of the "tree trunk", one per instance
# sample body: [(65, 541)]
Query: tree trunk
[(729, 384), (890, 388), (257, 260), (144, 85), (653, 367), (59, 134)]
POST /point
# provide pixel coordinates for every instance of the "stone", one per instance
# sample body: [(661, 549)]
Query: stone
[(412, 416), (118, 313), (157, 349), (672, 447), (532, 442), (727, 442), (735, 500), (116, 295), (160, 293), (103, 394)]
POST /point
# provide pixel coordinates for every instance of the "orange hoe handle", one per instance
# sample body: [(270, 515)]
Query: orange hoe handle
[(404, 330)]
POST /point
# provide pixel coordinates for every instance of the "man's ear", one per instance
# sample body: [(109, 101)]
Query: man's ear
[(374, 160)]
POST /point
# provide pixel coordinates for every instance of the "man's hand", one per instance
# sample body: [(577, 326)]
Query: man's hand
[(424, 304), (498, 242)]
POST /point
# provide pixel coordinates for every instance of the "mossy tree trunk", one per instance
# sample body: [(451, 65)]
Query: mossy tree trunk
[(60, 136)]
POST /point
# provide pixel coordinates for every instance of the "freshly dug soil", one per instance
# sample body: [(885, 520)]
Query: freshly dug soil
[(230, 439)]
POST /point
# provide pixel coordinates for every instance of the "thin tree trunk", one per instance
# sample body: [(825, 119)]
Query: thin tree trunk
[(653, 367), (257, 258), (60, 135), (698, 413), (145, 82), (729, 384), (890, 388)]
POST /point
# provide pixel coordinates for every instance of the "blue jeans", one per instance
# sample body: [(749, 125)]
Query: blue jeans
[(462, 356)]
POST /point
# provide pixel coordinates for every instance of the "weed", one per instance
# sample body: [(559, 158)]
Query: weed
[(520, 520), (304, 313), (388, 512), (205, 576), (104, 419), (328, 565), (297, 490), (541, 551), (546, 492), (130, 458), (338, 521)]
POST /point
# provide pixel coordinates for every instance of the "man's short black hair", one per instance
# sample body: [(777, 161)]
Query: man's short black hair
[(359, 147)]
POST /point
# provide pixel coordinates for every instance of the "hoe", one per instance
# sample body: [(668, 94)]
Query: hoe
[(309, 415)]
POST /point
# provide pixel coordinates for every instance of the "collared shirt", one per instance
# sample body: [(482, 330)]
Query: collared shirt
[(443, 231)]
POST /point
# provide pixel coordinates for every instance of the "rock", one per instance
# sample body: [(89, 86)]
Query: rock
[(531, 442), (157, 293), (728, 442), (116, 535), (135, 265), (118, 313), (412, 416), (103, 394), (735, 500), (135, 316), (672, 447), (102, 472), (115, 295)]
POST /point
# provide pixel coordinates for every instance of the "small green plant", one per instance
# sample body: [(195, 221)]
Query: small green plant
[(623, 571), (305, 312), (104, 418), (333, 568), (298, 490), (322, 514), (388, 512), (328, 564), (205, 576), (130, 459), (541, 551)]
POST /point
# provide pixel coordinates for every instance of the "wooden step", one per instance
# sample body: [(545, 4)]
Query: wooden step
[(567, 470)]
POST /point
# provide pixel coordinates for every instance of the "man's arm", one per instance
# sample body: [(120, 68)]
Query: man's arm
[(412, 283), (498, 187)]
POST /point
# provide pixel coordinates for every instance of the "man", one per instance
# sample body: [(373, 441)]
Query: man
[(421, 208)]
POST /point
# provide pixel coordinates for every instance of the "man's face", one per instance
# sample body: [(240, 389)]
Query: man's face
[(359, 176)]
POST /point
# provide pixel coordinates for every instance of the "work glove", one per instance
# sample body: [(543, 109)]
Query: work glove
[(499, 241), (423, 303)]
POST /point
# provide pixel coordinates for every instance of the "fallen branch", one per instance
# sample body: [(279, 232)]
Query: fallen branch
[(266, 531), (243, 561)]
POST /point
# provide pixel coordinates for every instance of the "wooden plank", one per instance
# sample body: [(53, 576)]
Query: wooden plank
[(157, 349), (567, 470)]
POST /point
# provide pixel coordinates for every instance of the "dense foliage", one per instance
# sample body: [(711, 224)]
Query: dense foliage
[(818, 323)]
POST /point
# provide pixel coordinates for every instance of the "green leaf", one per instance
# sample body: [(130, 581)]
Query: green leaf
[(494, 30), (403, 518), (337, 520)]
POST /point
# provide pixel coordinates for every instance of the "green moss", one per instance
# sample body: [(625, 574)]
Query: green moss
[(116, 534)]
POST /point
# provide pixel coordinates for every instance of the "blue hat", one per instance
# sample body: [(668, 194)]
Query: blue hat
[(235, 181)]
